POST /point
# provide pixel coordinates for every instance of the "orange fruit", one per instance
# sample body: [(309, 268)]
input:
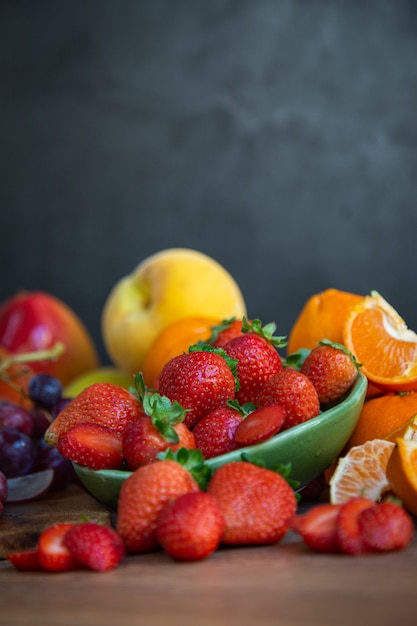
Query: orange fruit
[(382, 415), (362, 472), (402, 472), (380, 340), (175, 339), (322, 317), (408, 430)]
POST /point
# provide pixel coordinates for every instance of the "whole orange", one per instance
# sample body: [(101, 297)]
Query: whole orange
[(322, 317), (381, 415)]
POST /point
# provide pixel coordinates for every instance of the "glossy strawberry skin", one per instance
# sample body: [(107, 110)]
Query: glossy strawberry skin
[(385, 527), (199, 381), (214, 433), (142, 441), (260, 425), (318, 527), (53, 554), (95, 546), (92, 445), (257, 503), (142, 496), (295, 393), (190, 527), (332, 372), (102, 403), (257, 362)]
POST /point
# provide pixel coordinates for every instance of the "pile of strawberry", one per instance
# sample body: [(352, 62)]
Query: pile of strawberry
[(234, 391)]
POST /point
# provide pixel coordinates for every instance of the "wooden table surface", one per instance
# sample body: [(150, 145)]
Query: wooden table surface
[(281, 584)]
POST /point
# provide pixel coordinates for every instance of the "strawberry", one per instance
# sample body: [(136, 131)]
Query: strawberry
[(95, 546), (295, 392), (199, 380), (25, 560), (142, 496), (190, 527), (332, 369), (349, 537), (160, 427), (225, 331), (318, 527), (92, 445), (260, 425), (53, 554), (257, 503), (102, 403), (257, 358), (385, 526), (214, 433)]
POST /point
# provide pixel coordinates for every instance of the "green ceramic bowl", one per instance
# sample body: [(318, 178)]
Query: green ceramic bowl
[(310, 447)]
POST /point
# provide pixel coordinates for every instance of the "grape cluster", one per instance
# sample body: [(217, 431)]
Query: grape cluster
[(22, 447)]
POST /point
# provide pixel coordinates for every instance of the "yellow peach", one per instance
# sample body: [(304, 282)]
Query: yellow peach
[(166, 286)]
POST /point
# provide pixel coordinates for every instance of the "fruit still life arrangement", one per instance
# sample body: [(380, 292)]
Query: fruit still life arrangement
[(209, 429)]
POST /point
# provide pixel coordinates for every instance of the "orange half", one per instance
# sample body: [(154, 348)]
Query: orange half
[(402, 472), (381, 341)]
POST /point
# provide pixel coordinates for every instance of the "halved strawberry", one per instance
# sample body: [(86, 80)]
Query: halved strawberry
[(318, 527), (53, 554), (25, 560), (349, 536), (92, 445), (260, 425)]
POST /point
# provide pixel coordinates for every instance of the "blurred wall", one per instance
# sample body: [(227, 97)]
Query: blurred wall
[(278, 136)]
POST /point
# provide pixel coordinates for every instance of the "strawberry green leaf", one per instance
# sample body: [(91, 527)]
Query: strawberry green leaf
[(216, 330), (191, 460), (267, 331), (296, 359)]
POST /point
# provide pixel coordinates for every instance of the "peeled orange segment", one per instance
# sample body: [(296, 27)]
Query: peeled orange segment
[(381, 341), (362, 472), (402, 472)]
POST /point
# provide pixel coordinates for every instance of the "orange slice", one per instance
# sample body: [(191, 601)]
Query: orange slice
[(402, 472), (362, 472), (407, 431), (384, 345)]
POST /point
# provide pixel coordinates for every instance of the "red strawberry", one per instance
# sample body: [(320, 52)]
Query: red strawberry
[(295, 392), (385, 527), (92, 445), (260, 425), (224, 332), (142, 496), (199, 380), (25, 560), (214, 433), (54, 556), (102, 403), (190, 527), (257, 503), (349, 537), (332, 369), (95, 546), (257, 358), (160, 427), (318, 527)]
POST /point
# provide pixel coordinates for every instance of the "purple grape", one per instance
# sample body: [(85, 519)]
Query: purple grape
[(16, 453), (14, 416), (3, 489), (41, 421), (48, 457), (59, 406), (45, 390)]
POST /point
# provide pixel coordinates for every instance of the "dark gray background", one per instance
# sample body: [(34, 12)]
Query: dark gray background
[(279, 137)]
